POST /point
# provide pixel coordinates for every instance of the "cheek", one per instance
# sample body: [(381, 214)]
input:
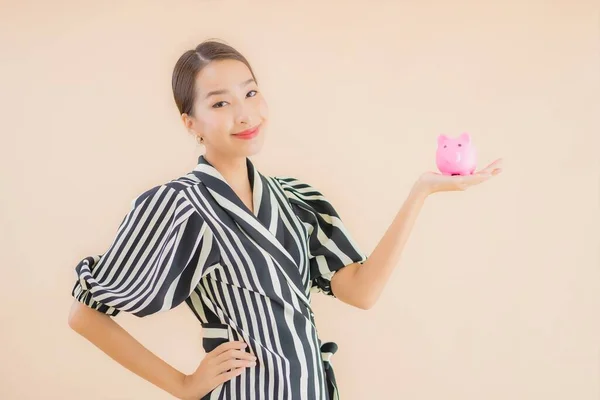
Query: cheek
[(215, 123), (263, 110)]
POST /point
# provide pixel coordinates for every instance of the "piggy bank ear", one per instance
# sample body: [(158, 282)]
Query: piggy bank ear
[(466, 138), (442, 139)]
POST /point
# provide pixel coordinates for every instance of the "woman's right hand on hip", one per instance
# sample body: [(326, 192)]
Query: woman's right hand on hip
[(218, 366)]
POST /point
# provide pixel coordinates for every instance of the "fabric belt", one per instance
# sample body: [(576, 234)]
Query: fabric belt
[(328, 349)]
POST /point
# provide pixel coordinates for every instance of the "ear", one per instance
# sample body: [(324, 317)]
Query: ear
[(442, 139), (187, 121), (465, 137), (190, 124)]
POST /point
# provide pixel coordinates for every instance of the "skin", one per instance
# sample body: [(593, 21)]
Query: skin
[(239, 105), (216, 118)]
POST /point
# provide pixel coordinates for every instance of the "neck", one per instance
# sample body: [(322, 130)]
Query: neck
[(233, 169)]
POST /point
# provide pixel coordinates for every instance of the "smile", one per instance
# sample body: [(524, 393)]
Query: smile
[(248, 134)]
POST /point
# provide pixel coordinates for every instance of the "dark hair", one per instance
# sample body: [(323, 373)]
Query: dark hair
[(191, 63)]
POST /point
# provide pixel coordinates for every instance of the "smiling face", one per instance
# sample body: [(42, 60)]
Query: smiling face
[(229, 111)]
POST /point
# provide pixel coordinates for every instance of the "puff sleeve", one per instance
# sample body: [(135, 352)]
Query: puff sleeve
[(330, 245), (159, 254)]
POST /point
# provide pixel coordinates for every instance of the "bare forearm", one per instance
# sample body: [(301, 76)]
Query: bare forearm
[(118, 344), (370, 278), (361, 285)]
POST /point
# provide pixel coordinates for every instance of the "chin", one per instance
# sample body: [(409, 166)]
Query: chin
[(252, 151), (250, 148)]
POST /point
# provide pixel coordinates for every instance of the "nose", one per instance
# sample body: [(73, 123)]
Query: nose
[(242, 115), (453, 157)]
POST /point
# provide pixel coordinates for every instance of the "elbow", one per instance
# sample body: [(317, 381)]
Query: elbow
[(78, 316), (74, 318), (366, 303)]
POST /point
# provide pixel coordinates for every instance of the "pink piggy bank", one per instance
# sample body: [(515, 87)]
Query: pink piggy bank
[(456, 156)]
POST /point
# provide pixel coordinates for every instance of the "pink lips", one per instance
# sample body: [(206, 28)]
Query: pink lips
[(248, 134)]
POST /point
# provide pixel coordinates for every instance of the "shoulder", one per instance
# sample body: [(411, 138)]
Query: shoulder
[(183, 182), (169, 191), (167, 206), (296, 186), (303, 193), (174, 185)]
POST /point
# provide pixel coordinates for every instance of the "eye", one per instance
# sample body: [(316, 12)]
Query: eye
[(219, 104), (252, 93), (459, 145), (445, 145)]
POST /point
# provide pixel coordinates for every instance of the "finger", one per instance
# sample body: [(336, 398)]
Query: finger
[(496, 171), (487, 170), (494, 165), (475, 179), (234, 353), (225, 376), (227, 346), (233, 363)]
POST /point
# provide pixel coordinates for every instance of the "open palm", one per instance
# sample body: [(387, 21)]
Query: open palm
[(436, 182)]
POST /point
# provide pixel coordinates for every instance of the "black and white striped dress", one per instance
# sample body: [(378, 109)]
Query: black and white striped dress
[(246, 275)]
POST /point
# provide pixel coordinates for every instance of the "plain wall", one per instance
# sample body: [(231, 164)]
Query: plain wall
[(497, 294)]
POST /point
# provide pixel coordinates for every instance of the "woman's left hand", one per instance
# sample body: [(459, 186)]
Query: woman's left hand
[(433, 182)]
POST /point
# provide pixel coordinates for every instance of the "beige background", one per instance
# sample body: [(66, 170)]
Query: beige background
[(497, 294)]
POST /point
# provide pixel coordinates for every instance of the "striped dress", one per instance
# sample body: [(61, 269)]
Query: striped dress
[(246, 275)]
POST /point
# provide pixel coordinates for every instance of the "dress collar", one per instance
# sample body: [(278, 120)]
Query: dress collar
[(215, 181), (262, 225)]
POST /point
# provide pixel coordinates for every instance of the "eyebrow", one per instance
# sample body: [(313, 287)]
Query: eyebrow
[(223, 91)]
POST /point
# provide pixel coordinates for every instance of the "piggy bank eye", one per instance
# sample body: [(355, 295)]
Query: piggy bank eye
[(459, 145), (445, 145)]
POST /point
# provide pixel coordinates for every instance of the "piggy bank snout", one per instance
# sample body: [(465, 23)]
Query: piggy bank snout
[(453, 156)]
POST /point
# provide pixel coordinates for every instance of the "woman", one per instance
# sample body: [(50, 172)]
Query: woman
[(243, 250)]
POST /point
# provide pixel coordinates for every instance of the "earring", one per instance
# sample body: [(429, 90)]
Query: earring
[(200, 139)]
